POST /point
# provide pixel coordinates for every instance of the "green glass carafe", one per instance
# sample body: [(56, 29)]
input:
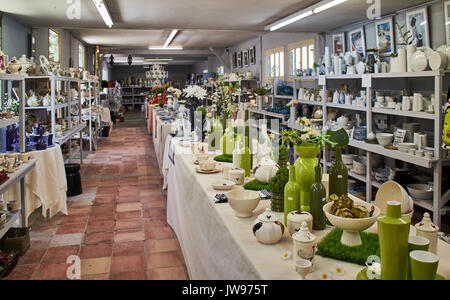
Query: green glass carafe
[(291, 195), (229, 140), (393, 233), (338, 176), (318, 200), (304, 172), (246, 158)]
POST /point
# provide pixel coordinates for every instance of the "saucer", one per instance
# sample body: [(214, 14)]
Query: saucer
[(198, 170)]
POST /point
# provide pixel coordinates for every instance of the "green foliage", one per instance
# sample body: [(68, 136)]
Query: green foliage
[(260, 91), (331, 246), (255, 185), (278, 183), (283, 153), (338, 138), (202, 109), (406, 36), (224, 158)]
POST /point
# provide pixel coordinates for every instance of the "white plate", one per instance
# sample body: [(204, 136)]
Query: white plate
[(223, 185), (198, 170)]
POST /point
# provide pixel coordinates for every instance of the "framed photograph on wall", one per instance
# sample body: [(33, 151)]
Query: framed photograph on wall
[(252, 55), (234, 60), (357, 40), (339, 43), (239, 59), (417, 24), (245, 58), (384, 31), (447, 21)]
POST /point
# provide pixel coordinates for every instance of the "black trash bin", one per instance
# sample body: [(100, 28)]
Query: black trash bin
[(73, 180)]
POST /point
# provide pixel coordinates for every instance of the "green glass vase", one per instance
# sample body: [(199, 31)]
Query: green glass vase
[(291, 195), (228, 140), (338, 176), (393, 232), (246, 158), (304, 172), (318, 200)]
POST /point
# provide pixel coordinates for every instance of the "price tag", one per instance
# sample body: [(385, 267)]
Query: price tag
[(367, 81), (321, 79)]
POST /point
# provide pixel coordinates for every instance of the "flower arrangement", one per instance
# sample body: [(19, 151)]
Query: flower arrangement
[(174, 92), (195, 91), (224, 97), (157, 90)]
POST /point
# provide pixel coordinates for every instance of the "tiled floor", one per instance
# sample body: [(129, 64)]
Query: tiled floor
[(117, 226)]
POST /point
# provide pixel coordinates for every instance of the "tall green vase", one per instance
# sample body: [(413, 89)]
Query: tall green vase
[(393, 232), (291, 195), (305, 173), (338, 176), (318, 200), (246, 158)]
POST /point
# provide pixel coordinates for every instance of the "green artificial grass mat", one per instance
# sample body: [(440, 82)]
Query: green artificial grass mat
[(224, 158), (331, 246), (255, 185)]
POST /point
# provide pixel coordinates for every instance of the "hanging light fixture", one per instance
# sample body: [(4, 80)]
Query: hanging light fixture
[(130, 60), (111, 60)]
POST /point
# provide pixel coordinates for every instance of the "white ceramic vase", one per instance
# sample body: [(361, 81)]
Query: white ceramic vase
[(402, 56), (410, 50)]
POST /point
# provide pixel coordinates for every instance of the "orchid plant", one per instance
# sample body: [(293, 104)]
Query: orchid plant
[(306, 136), (195, 91), (174, 92)]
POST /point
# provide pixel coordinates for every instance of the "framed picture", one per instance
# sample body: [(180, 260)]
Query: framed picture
[(252, 55), (385, 37), (357, 40), (239, 59), (417, 24), (447, 20), (339, 43), (234, 60), (245, 58)]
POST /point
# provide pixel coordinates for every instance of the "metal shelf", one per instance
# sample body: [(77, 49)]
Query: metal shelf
[(345, 106), (11, 219), (20, 173), (48, 108), (11, 77), (412, 114), (268, 113), (70, 134)]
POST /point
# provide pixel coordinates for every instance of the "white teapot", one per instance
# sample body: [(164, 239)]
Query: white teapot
[(32, 100), (46, 101), (266, 170), (267, 229)]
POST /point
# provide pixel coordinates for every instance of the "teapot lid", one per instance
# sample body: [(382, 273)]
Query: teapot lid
[(426, 224), (267, 216), (299, 216), (303, 235)]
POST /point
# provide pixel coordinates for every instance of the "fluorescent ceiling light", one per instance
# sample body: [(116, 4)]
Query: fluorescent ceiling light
[(171, 36), (165, 48), (158, 59), (103, 10), (291, 20), (328, 5)]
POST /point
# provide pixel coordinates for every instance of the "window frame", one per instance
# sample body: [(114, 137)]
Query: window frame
[(300, 45), (81, 54), (281, 51), (59, 45)]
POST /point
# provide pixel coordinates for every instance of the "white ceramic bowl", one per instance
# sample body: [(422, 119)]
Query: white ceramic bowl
[(243, 202), (223, 185), (207, 165), (385, 139), (349, 158), (201, 157), (392, 191), (421, 191), (352, 227)]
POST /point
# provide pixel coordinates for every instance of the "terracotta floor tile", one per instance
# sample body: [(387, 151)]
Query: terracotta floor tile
[(155, 213), (70, 239), (32, 257), (104, 200), (129, 236), (71, 228), (106, 216), (96, 251), (105, 208), (93, 266), (154, 204), (129, 215), (135, 275), (75, 219), (22, 272), (128, 248), (51, 271), (163, 260), (79, 211), (121, 264), (131, 206), (173, 273), (100, 226), (158, 233), (154, 246), (129, 224), (96, 277), (60, 254), (99, 238), (151, 197), (150, 223)]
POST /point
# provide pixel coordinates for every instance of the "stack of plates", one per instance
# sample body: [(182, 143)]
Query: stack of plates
[(404, 147)]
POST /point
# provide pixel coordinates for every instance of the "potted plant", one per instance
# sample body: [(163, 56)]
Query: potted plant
[(260, 92), (406, 39)]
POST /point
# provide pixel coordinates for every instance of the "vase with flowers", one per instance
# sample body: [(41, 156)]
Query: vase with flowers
[(194, 94)]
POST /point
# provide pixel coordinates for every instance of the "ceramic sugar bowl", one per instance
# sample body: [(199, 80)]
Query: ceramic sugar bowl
[(428, 230), (266, 170), (267, 229), (14, 66), (295, 220), (304, 244)]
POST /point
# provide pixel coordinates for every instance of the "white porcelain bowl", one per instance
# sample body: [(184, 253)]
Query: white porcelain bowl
[(421, 191), (207, 165), (392, 191), (243, 202), (349, 158), (385, 139), (352, 227)]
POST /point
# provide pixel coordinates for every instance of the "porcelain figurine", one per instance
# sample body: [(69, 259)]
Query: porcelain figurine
[(32, 100), (46, 101), (295, 220), (3, 62), (26, 64), (428, 230), (267, 228), (304, 244), (14, 66)]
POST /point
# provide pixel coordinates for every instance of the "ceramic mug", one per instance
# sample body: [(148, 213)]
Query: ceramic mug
[(423, 264), (416, 243), (391, 104), (24, 157), (406, 103), (398, 106), (207, 165)]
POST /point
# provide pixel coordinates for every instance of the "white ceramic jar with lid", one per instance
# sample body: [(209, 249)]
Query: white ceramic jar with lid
[(267, 228), (304, 244), (295, 220), (427, 229)]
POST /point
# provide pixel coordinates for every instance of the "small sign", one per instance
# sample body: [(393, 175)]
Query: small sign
[(399, 136), (367, 81), (321, 79)]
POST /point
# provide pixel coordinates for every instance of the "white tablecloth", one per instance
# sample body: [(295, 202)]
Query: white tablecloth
[(161, 130), (46, 184), (106, 115), (218, 245)]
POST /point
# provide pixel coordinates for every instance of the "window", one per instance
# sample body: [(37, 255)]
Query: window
[(301, 56), (274, 64), (54, 43), (81, 56)]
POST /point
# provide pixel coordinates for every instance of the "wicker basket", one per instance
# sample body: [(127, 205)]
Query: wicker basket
[(277, 202), (16, 239)]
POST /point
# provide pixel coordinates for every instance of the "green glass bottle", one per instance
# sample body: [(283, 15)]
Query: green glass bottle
[(338, 176), (318, 200), (291, 195), (246, 158)]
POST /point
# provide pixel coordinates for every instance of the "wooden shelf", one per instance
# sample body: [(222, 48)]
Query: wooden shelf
[(11, 77), (345, 106), (48, 108), (20, 173), (402, 113)]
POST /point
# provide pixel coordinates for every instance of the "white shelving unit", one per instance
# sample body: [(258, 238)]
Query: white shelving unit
[(96, 85), (135, 97), (66, 83), (240, 85)]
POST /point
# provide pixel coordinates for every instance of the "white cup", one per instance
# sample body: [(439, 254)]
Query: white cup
[(406, 103)]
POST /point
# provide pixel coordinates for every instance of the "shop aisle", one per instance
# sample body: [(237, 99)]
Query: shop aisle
[(117, 226)]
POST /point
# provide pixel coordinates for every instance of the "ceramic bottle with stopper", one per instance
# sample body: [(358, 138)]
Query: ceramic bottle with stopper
[(428, 230), (304, 244)]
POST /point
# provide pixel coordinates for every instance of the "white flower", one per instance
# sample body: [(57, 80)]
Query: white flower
[(194, 91)]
